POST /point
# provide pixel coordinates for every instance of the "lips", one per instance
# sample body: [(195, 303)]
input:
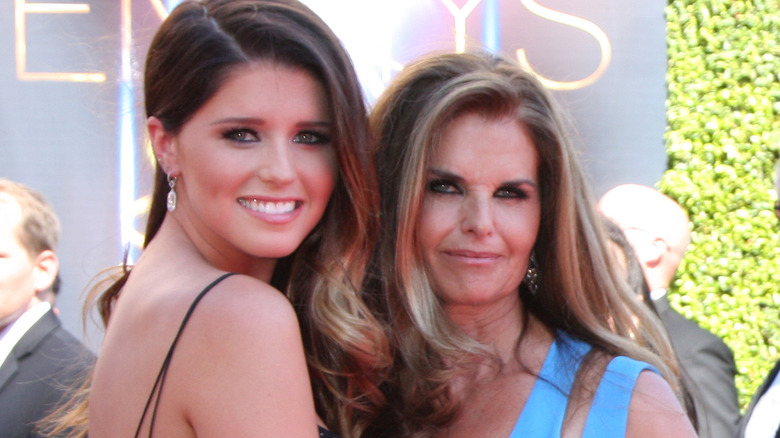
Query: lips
[(269, 207), (476, 256)]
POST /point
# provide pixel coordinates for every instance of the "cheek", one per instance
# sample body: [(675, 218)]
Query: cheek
[(521, 229), (208, 186), (206, 173), (14, 273), (330, 173), (320, 171), (435, 222)]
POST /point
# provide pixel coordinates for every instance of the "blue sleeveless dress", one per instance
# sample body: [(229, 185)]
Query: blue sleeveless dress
[(545, 408)]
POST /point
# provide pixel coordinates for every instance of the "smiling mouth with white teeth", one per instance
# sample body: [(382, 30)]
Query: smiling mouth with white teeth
[(269, 207)]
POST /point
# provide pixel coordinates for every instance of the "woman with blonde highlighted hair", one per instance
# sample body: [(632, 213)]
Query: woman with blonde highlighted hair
[(509, 316)]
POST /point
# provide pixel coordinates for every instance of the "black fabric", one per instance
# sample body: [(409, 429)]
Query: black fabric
[(709, 364), (38, 374)]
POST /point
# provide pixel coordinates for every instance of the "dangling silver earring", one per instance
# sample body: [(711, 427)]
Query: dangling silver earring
[(532, 275), (172, 193)]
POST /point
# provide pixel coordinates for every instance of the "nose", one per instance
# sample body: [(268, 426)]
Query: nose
[(477, 216), (276, 166)]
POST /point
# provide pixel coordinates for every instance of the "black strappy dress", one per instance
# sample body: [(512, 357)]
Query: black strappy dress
[(158, 383)]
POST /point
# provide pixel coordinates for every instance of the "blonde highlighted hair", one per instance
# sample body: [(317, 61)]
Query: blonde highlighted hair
[(579, 290)]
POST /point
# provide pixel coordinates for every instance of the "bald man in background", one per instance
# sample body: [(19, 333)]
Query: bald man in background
[(658, 229)]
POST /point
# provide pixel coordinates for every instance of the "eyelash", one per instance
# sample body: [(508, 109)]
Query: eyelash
[(317, 137), (514, 192), (445, 187), (242, 135)]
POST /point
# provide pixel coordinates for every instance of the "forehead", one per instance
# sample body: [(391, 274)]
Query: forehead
[(486, 145), (277, 83), (10, 211)]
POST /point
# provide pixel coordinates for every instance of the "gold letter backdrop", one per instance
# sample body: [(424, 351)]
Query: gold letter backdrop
[(72, 120)]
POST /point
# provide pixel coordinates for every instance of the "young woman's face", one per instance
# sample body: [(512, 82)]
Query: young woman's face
[(256, 165), (481, 211)]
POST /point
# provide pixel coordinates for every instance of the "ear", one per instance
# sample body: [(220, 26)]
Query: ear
[(46, 267), (655, 251), (646, 247), (164, 146)]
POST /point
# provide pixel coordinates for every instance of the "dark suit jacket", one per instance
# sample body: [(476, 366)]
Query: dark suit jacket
[(761, 390), (45, 364), (709, 365)]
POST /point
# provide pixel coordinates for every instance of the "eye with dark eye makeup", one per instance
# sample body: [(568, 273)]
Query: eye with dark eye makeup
[(443, 186), (312, 138), (241, 135), (512, 193)]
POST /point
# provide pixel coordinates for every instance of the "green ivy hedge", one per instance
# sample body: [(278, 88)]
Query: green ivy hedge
[(723, 139)]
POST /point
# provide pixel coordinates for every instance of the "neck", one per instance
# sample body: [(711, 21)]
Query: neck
[(497, 326), (173, 237)]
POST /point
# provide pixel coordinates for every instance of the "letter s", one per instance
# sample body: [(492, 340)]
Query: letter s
[(578, 23)]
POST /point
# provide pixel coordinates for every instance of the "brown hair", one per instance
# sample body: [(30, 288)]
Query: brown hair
[(193, 52), (578, 287)]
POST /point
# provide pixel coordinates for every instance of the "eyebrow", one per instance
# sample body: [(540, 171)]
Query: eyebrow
[(457, 178), (254, 121)]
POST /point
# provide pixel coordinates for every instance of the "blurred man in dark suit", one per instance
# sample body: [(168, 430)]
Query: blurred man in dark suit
[(39, 360)]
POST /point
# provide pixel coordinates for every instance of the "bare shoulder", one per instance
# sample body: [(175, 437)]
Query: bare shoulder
[(243, 302), (247, 322), (244, 339), (655, 411), (245, 317)]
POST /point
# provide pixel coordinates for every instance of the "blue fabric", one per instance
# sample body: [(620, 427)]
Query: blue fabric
[(545, 408)]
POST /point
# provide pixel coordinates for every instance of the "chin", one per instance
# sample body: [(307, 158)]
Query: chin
[(276, 251)]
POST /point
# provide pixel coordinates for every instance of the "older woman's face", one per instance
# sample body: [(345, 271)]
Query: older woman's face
[(481, 211)]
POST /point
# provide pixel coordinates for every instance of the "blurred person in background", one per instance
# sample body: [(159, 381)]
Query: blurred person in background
[(40, 359)]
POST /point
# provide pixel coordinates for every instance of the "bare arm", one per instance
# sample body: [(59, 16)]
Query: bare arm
[(247, 366), (654, 411)]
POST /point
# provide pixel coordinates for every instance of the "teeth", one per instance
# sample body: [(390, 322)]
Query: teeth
[(268, 207)]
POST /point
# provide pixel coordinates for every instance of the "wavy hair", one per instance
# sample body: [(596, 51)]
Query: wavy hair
[(191, 55), (580, 291)]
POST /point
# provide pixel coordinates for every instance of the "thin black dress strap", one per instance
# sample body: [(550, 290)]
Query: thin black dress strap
[(158, 384)]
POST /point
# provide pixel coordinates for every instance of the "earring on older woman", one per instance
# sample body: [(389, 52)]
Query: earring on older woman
[(171, 204), (532, 275)]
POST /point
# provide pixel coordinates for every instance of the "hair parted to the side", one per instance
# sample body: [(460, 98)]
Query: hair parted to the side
[(195, 49), (579, 290)]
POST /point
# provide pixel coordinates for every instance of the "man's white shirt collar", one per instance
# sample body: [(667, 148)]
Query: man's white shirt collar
[(10, 336), (657, 294)]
